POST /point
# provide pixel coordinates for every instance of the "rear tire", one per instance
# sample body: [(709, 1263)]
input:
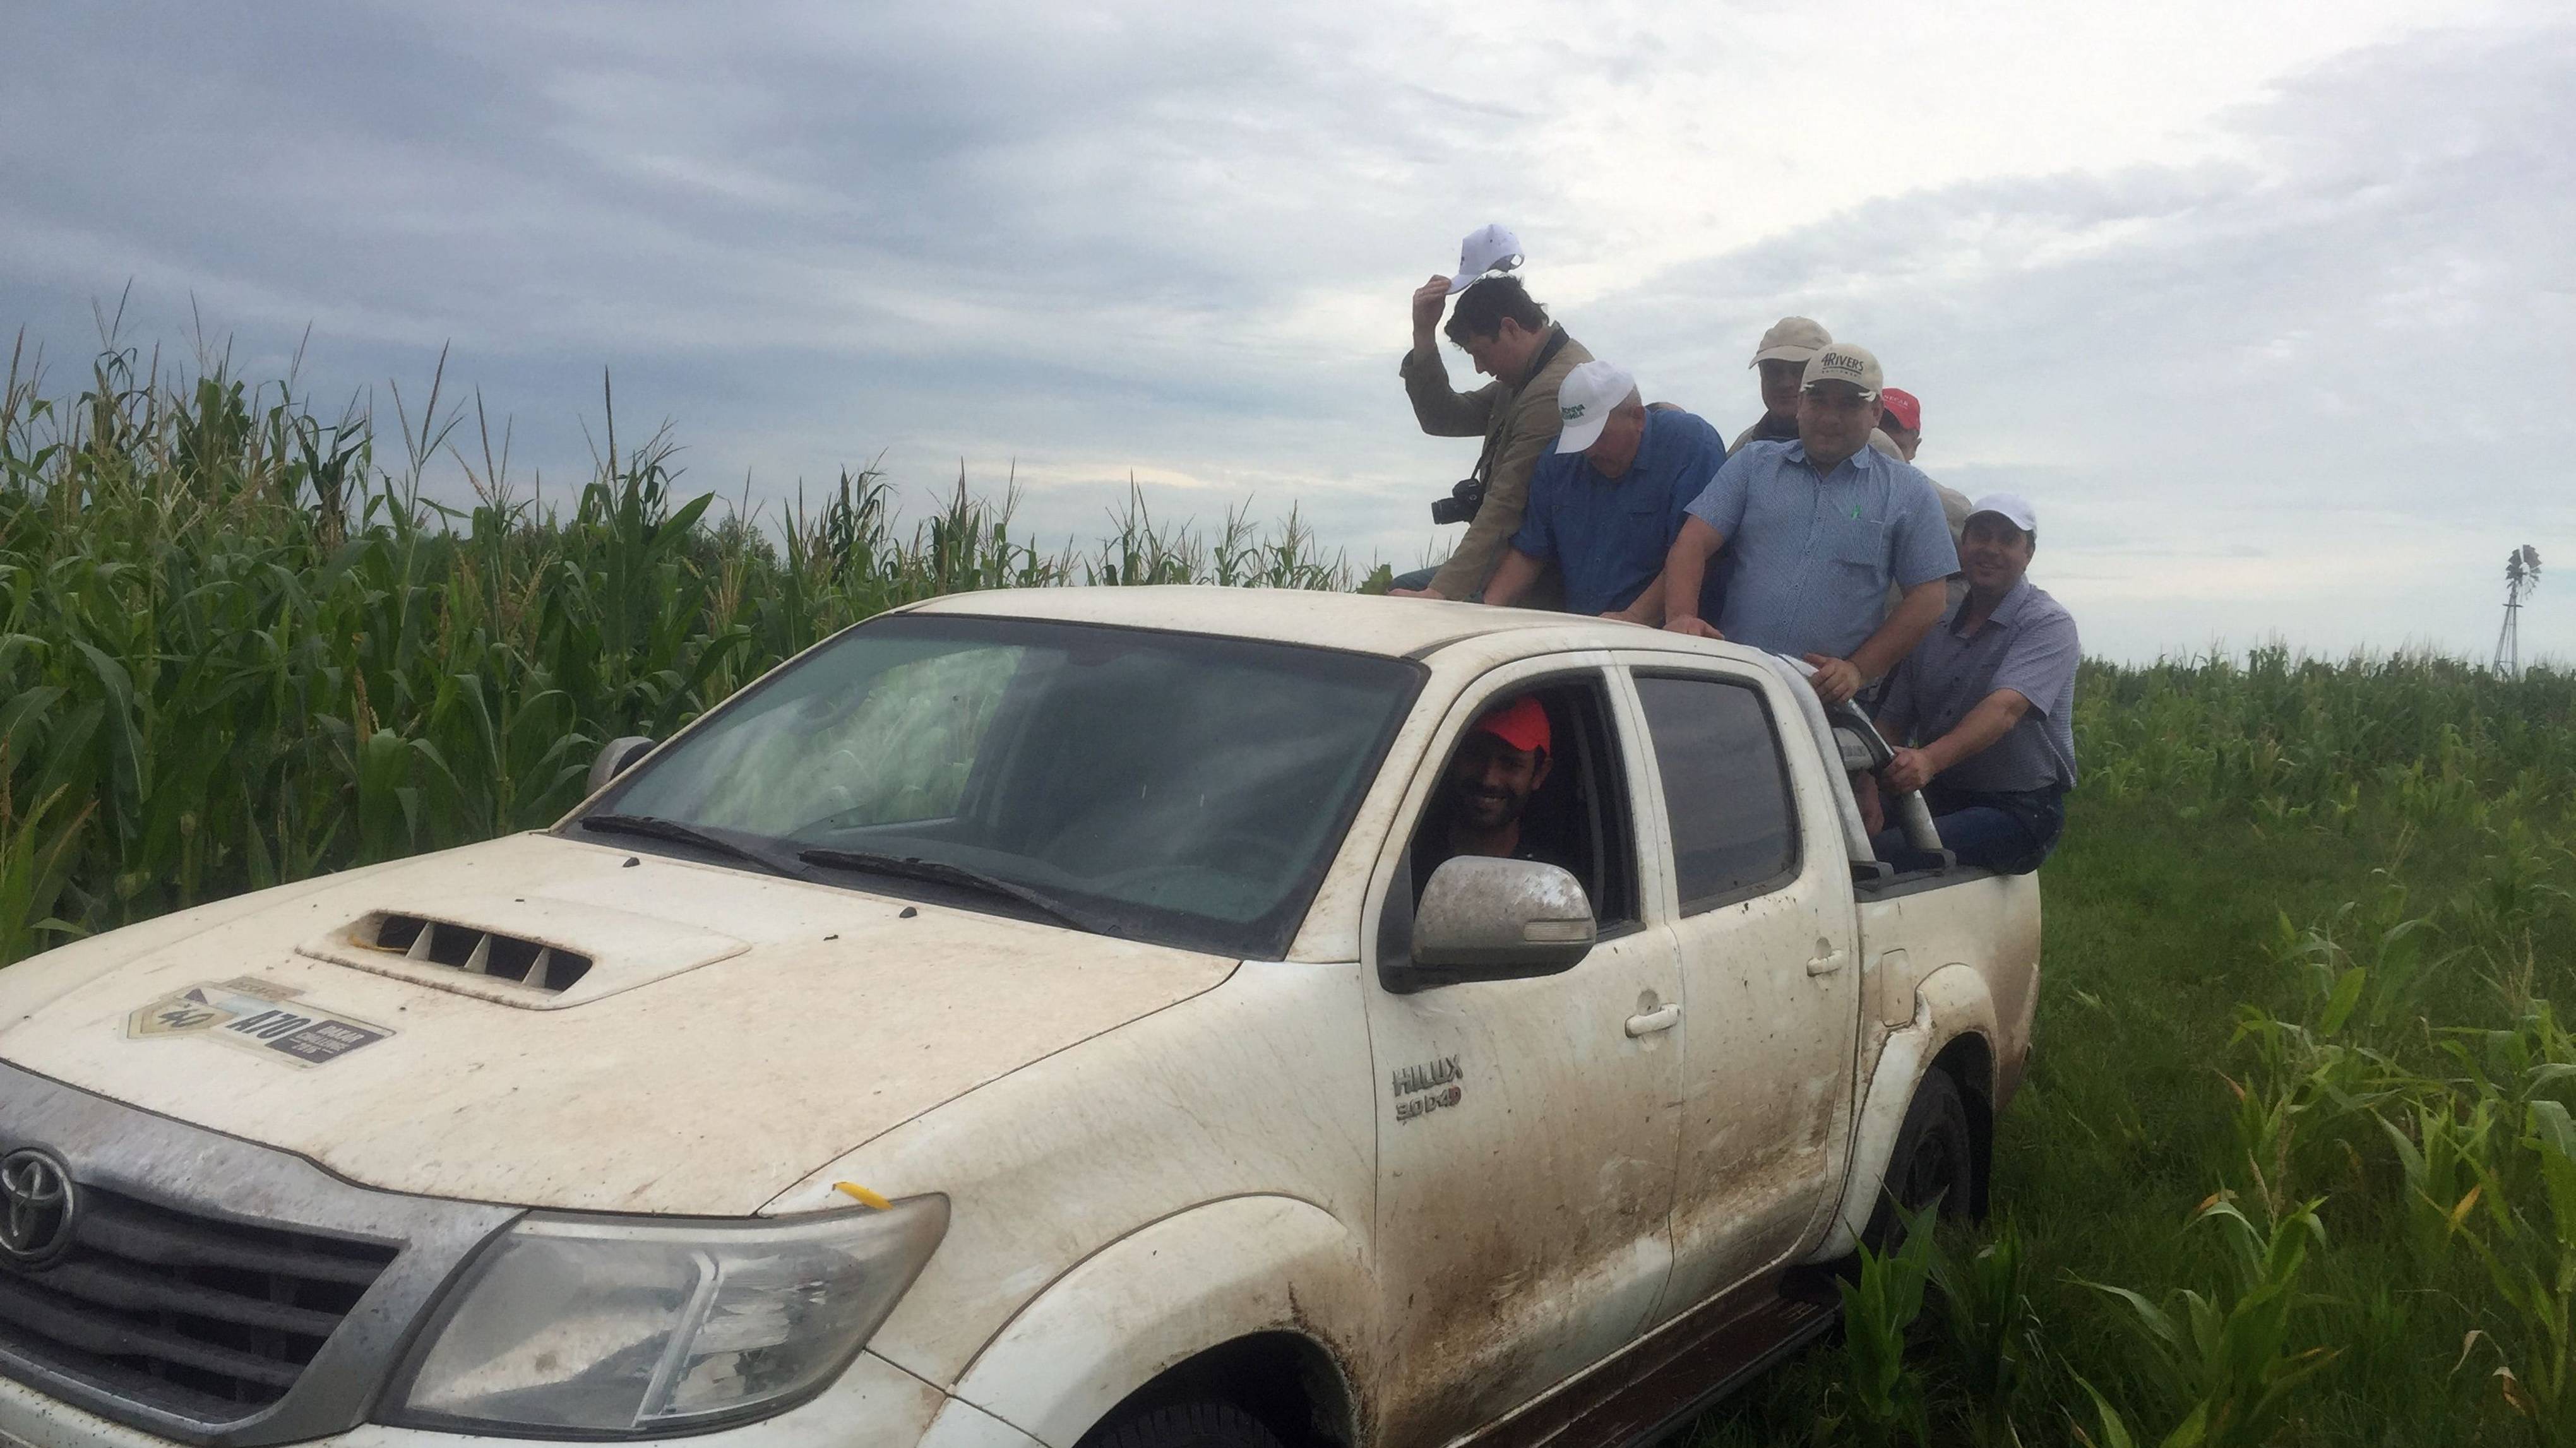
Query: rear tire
[(1935, 1158), (1200, 1423)]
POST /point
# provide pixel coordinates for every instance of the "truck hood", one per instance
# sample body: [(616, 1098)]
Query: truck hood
[(727, 1035)]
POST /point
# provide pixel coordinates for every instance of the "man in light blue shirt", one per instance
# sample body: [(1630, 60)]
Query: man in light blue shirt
[(1818, 528)]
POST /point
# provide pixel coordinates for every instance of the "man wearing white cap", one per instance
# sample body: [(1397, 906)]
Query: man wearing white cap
[(1817, 529), (1509, 338), (1605, 506), (1988, 694)]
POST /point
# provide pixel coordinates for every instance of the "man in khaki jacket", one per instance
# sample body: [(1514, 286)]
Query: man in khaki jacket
[(1510, 339)]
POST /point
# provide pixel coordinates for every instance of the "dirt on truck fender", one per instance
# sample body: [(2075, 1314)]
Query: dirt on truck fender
[(1050, 1017)]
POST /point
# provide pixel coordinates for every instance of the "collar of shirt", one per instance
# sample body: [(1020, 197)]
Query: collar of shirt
[(1859, 463), (1546, 353), (2006, 614)]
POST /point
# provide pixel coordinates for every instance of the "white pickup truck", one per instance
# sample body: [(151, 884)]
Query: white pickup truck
[(1018, 1021)]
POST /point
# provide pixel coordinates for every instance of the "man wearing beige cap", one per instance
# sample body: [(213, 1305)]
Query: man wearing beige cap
[(1819, 528), (1782, 360)]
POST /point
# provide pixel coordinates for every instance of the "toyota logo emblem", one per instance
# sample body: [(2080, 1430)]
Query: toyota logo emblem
[(36, 1208)]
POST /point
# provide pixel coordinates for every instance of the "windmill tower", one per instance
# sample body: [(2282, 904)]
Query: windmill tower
[(2521, 575)]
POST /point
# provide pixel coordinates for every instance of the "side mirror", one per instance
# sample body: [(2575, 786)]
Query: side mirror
[(613, 758), (1488, 919)]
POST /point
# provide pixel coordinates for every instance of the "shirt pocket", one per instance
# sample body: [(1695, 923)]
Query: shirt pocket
[(1856, 543)]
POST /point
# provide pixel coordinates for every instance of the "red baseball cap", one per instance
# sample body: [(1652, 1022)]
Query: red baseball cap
[(1522, 724), (1903, 404)]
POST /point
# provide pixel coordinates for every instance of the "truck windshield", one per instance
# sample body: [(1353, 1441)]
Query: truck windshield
[(1171, 787)]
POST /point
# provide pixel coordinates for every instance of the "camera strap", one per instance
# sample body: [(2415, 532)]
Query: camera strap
[(1547, 351)]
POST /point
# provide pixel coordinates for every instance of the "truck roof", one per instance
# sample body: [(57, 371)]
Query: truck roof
[(1394, 627)]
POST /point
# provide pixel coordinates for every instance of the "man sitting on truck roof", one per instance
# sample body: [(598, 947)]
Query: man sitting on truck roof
[(1782, 357), (1500, 763), (1605, 506), (1509, 337), (1989, 694), (1818, 529)]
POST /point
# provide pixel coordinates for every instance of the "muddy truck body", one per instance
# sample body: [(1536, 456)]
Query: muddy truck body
[(1017, 1021)]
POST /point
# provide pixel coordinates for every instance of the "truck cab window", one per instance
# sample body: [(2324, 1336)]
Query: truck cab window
[(1575, 816), (1725, 786)]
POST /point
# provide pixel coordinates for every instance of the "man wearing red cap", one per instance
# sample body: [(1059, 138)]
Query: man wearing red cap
[(1900, 421), (1499, 765)]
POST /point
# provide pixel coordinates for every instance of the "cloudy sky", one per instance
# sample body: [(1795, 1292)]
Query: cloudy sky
[(2270, 308)]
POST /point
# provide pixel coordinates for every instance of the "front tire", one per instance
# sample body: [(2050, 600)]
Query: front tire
[(1197, 1424), (1935, 1160)]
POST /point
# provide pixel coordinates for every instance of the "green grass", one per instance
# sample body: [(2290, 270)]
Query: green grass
[(2300, 940), (2163, 923)]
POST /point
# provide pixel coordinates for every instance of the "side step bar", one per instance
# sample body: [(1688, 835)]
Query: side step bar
[(1658, 1384)]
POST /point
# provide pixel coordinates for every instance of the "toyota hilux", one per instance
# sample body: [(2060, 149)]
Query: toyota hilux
[(1031, 1017)]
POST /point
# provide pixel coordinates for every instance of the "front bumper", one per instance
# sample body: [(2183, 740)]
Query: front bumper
[(874, 1405)]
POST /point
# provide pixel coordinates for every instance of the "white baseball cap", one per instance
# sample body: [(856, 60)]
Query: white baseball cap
[(1488, 248), (1585, 400), (2013, 508)]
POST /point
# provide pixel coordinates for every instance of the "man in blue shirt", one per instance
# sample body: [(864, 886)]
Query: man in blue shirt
[(1606, 503), (1982, 707), (1817, 529)]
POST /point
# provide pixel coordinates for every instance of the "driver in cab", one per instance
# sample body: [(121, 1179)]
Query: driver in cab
[(1499, 765)]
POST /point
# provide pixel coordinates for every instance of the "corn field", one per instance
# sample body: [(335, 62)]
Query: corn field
[(238, 647), (2296, 1163)]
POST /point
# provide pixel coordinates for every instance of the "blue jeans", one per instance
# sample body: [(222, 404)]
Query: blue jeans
[(2011, 831)]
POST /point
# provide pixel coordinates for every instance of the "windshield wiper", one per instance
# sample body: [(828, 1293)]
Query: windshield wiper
[(943, 873), (655, 827)]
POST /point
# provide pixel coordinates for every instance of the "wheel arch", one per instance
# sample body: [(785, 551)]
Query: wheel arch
[(1266, 1296), (1286, 1379), (1953, 1031)]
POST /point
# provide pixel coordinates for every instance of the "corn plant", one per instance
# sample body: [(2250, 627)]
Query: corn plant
[(2228, 1356), (1880, 1304), (1990, 1329)]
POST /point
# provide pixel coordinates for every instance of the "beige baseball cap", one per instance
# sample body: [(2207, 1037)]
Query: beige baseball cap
[(1791, 339), (1843, 362)]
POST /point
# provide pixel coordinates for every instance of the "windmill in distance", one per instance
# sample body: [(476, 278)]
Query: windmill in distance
[(2521, 575)]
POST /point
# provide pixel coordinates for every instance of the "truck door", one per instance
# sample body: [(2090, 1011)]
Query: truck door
[(1764, 922), (1526, 1128)]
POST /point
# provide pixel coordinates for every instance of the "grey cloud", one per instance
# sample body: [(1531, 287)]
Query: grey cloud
[(1093, 240)]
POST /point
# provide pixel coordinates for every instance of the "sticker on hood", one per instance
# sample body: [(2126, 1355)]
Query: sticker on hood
[(254, 1016)]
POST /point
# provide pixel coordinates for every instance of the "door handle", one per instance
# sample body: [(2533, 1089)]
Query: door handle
[(1827, 963), (1662, 1018)]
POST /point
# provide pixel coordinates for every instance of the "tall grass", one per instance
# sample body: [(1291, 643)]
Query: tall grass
[(239, 646)]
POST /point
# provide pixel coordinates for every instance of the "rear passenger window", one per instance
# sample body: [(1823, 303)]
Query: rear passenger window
[(1725, 786)]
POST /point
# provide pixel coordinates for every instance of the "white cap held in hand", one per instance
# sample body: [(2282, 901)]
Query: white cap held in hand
[(1488, 248)]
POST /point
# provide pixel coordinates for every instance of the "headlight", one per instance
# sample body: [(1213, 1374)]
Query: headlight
[(633, 1326)]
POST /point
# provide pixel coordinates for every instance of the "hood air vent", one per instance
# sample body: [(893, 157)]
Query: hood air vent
[(475, 952)]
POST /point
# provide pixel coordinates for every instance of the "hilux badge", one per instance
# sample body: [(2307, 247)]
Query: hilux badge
[(36, 1208)]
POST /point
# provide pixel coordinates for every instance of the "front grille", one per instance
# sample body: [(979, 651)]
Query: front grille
[(197, 1316)]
